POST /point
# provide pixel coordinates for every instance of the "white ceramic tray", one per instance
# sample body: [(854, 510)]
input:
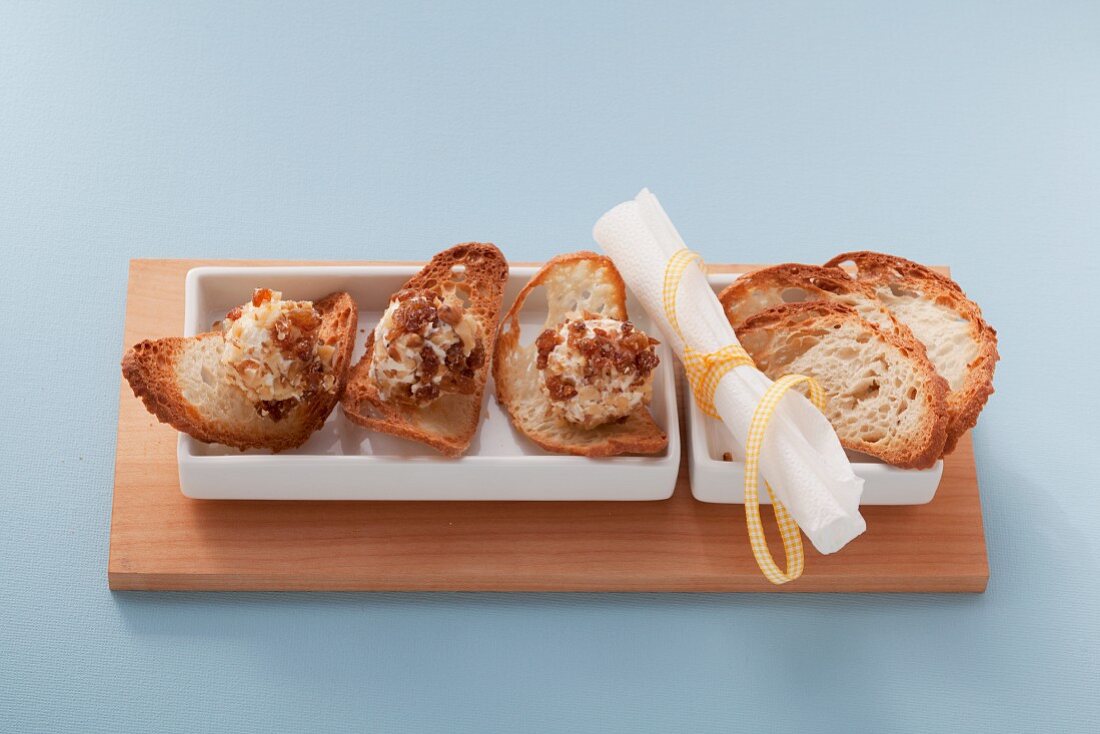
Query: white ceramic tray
[(716, 480), (343, 461)]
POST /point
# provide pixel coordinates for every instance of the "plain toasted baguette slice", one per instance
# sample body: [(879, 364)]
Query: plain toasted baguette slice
[(884, 396), (577, 282), (961, 345), (796, 283), (183, 382), (476, 273)]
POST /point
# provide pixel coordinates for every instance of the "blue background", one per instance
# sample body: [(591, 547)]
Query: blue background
[(952, 133)]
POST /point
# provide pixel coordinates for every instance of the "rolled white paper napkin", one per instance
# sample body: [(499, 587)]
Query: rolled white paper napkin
[(801, 456)]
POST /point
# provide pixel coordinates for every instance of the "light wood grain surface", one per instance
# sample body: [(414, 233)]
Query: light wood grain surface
[(160, 540)]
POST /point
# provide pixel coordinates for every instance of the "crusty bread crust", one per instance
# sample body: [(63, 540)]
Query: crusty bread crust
[(152, 370), (576, 281), (476, 272), (768, 287), (776, 337), (888, 272)]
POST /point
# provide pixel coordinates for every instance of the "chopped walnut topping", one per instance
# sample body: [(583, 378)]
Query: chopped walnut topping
[(630, 353), (545, 344), (260, 296), (413, 314), (476, 358), (559, 388), (274, 352), (295, 333), (450, 313), (595, 370), (455, 359), (426, 345), (429, 364)]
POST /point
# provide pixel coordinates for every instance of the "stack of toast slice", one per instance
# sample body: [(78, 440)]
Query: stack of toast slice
[(905, 357)]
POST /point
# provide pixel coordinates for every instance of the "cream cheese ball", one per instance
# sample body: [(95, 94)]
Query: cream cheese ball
[(426, 345), (273, 352), (595, 370)]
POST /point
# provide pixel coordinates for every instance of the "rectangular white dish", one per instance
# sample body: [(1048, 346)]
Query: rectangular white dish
[(714, 479), (343, 461)]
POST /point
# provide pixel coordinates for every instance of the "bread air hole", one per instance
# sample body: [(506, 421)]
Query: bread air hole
[(583, 303), (793, 295), (864, 389), (872, 436), (900, 292), (790, 351), (462, 292)]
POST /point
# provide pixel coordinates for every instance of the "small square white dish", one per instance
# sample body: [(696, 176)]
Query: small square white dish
[(714, 479), (343, 461)]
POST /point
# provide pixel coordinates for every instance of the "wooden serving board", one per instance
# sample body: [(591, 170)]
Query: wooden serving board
[(161, 540)]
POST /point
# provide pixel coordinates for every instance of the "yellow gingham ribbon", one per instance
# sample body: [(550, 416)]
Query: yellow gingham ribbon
[(704, 372)]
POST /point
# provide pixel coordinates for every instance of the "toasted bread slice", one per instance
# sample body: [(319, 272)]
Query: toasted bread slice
[(183, 382), (961, 345), (884, 396), (581, 281), (476, 273), (795, 283)]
